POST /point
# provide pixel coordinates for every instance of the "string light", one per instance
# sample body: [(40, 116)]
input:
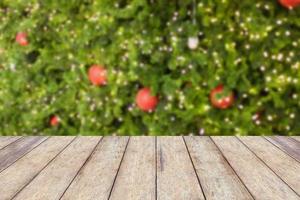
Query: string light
[(186, 65)]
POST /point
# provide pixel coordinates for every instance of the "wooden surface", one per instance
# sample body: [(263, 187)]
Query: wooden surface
[(176, 178), (149, 168)]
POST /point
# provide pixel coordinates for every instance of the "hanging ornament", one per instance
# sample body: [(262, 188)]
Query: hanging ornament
[(220, 98), (97, 75), (193, 42), (145, 101), (21, 39), (290, 4), (54, 121)]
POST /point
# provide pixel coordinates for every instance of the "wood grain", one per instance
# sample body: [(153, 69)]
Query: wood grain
[(55, 178), (14, 178), (296, 138), (96, 179), (136, 178), (218, 179), (13, 152), (258, 178), (283, 165), (176, 178), (4, 141), (287, 144), (148, 168)]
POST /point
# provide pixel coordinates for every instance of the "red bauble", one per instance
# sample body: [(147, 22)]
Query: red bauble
[(145, 101), (98, 75), (21, 39), (290, 4), (54, 121), (220, 99)]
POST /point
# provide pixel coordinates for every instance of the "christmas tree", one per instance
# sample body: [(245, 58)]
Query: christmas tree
[(150, 67)]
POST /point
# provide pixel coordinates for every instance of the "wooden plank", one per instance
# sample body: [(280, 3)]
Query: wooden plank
[(14, 178), (296, 138), (13, 152), (287, 144), (258, 178), (55, 178), (96, 179), (218, 179), (283, 165), (176, 177), (4, 141), (136, 178)]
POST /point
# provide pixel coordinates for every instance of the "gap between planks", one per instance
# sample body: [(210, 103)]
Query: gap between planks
[(5, 141), (288, 175), (157, 163), (20, 174), (262, 182), (18, 149), (290, 146), (49, 184)]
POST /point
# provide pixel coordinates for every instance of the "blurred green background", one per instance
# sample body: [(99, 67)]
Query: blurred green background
[(180, 49)]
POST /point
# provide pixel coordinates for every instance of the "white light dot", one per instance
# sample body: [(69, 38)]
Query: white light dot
[(287, 33), (292, 115), (270, 118), (278, 22)]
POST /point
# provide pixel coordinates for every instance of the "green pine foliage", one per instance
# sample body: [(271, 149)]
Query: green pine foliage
[(252, 47)]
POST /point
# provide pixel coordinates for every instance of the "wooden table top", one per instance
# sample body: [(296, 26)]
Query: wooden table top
[(148, 168)]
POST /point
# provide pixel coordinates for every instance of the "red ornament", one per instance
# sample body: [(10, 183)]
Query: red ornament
[(54, 121), (221, 99), (98, 75), (145, 101), (21, 39), (290, 4)]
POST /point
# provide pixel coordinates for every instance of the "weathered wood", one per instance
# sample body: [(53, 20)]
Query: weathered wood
[(145, 168), (14, 178), (13, 152), (176, 177), (287, 144), (258, 178), (296, 138), (283, 165), (55, 178), (136, 178), (218, 179), (4, 141), (96, 179)]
